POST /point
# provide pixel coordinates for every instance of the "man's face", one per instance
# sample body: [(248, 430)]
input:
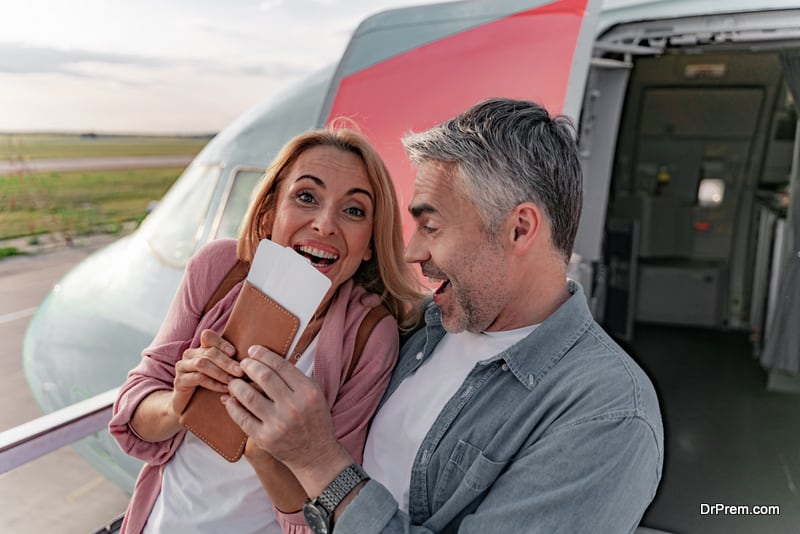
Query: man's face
[(454, 252)]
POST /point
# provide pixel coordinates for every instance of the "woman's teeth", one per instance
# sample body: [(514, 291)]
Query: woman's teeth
[(318, 257)]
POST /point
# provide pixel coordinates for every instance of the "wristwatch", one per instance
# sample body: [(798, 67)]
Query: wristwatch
[(319, 512)]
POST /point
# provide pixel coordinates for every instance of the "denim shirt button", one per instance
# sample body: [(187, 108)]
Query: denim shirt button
[(419, 355), (504, 367)]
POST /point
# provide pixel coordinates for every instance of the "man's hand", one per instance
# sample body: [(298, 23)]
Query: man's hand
[(291, 419)]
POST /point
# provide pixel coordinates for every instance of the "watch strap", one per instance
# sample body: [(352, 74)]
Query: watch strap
[(341, 486)]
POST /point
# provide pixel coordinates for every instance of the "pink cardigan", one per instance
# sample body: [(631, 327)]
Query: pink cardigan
[(352, 404)]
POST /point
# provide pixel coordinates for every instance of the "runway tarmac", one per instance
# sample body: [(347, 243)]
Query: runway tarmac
[(59, 492)]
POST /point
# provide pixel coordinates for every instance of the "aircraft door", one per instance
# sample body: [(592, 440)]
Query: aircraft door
[(782, 342), (409, 69), (614, 283)]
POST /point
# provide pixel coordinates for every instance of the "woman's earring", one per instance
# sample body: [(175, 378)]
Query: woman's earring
[(266, 227)]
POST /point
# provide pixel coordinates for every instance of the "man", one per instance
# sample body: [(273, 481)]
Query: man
[(511, 410)]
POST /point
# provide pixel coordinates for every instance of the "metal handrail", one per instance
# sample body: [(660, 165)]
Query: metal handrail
[(28, 441)]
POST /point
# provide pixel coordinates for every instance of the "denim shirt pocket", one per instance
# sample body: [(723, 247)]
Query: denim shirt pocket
[(467, 474)]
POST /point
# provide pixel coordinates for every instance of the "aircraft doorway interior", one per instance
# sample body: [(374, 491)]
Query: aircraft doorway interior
[(694, 245), (699, 192)]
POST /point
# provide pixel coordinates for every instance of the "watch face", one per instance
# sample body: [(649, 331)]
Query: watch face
[(316, 521)]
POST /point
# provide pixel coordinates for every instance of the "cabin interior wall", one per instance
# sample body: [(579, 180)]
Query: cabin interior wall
[(697, 120)]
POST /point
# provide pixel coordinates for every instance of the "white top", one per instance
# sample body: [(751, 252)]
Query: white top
[(414, 406), (202, 492)]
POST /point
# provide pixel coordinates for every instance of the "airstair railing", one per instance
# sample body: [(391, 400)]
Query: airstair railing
[(28, 441)]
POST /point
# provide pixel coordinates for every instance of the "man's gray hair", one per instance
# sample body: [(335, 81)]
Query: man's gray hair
[(508, 152)]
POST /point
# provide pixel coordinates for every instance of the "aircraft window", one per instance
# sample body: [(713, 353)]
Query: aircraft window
[(174, 227), (239, 197), (711, 192)]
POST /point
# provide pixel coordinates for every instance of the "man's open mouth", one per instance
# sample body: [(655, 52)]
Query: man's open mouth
[(445, 283), (317, 257)]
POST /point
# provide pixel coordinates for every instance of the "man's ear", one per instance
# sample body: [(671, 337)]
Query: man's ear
[(525, 224)]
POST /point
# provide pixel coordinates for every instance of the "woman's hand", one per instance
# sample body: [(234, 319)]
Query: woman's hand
[(211, 366)]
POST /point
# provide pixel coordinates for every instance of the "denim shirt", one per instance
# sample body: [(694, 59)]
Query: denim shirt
[(561, 432)]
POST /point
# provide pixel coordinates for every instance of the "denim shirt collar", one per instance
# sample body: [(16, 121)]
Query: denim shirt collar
[(532, 357)]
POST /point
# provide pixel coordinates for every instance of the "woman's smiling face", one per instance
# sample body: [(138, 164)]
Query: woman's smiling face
[(325, 211)]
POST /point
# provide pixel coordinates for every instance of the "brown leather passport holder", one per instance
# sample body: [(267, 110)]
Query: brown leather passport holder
[(255, 319)]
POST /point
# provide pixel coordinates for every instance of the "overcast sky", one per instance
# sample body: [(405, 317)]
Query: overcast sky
[(161, 66)]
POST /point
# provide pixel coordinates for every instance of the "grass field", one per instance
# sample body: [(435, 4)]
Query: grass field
[(77, 203), (46, 145)]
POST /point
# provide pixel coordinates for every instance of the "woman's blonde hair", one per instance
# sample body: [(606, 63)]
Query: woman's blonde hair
[(386, 273)]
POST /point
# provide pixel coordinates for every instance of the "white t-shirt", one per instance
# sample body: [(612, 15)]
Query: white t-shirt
[(202, 492), (409, 413)]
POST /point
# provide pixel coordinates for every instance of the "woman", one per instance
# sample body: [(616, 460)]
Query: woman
[(322, 196)]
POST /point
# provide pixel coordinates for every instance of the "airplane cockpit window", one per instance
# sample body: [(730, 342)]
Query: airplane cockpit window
[(238, 198), (175, 226)]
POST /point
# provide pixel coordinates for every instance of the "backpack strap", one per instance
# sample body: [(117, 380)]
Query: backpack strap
[(368, 324), (237, 273)]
